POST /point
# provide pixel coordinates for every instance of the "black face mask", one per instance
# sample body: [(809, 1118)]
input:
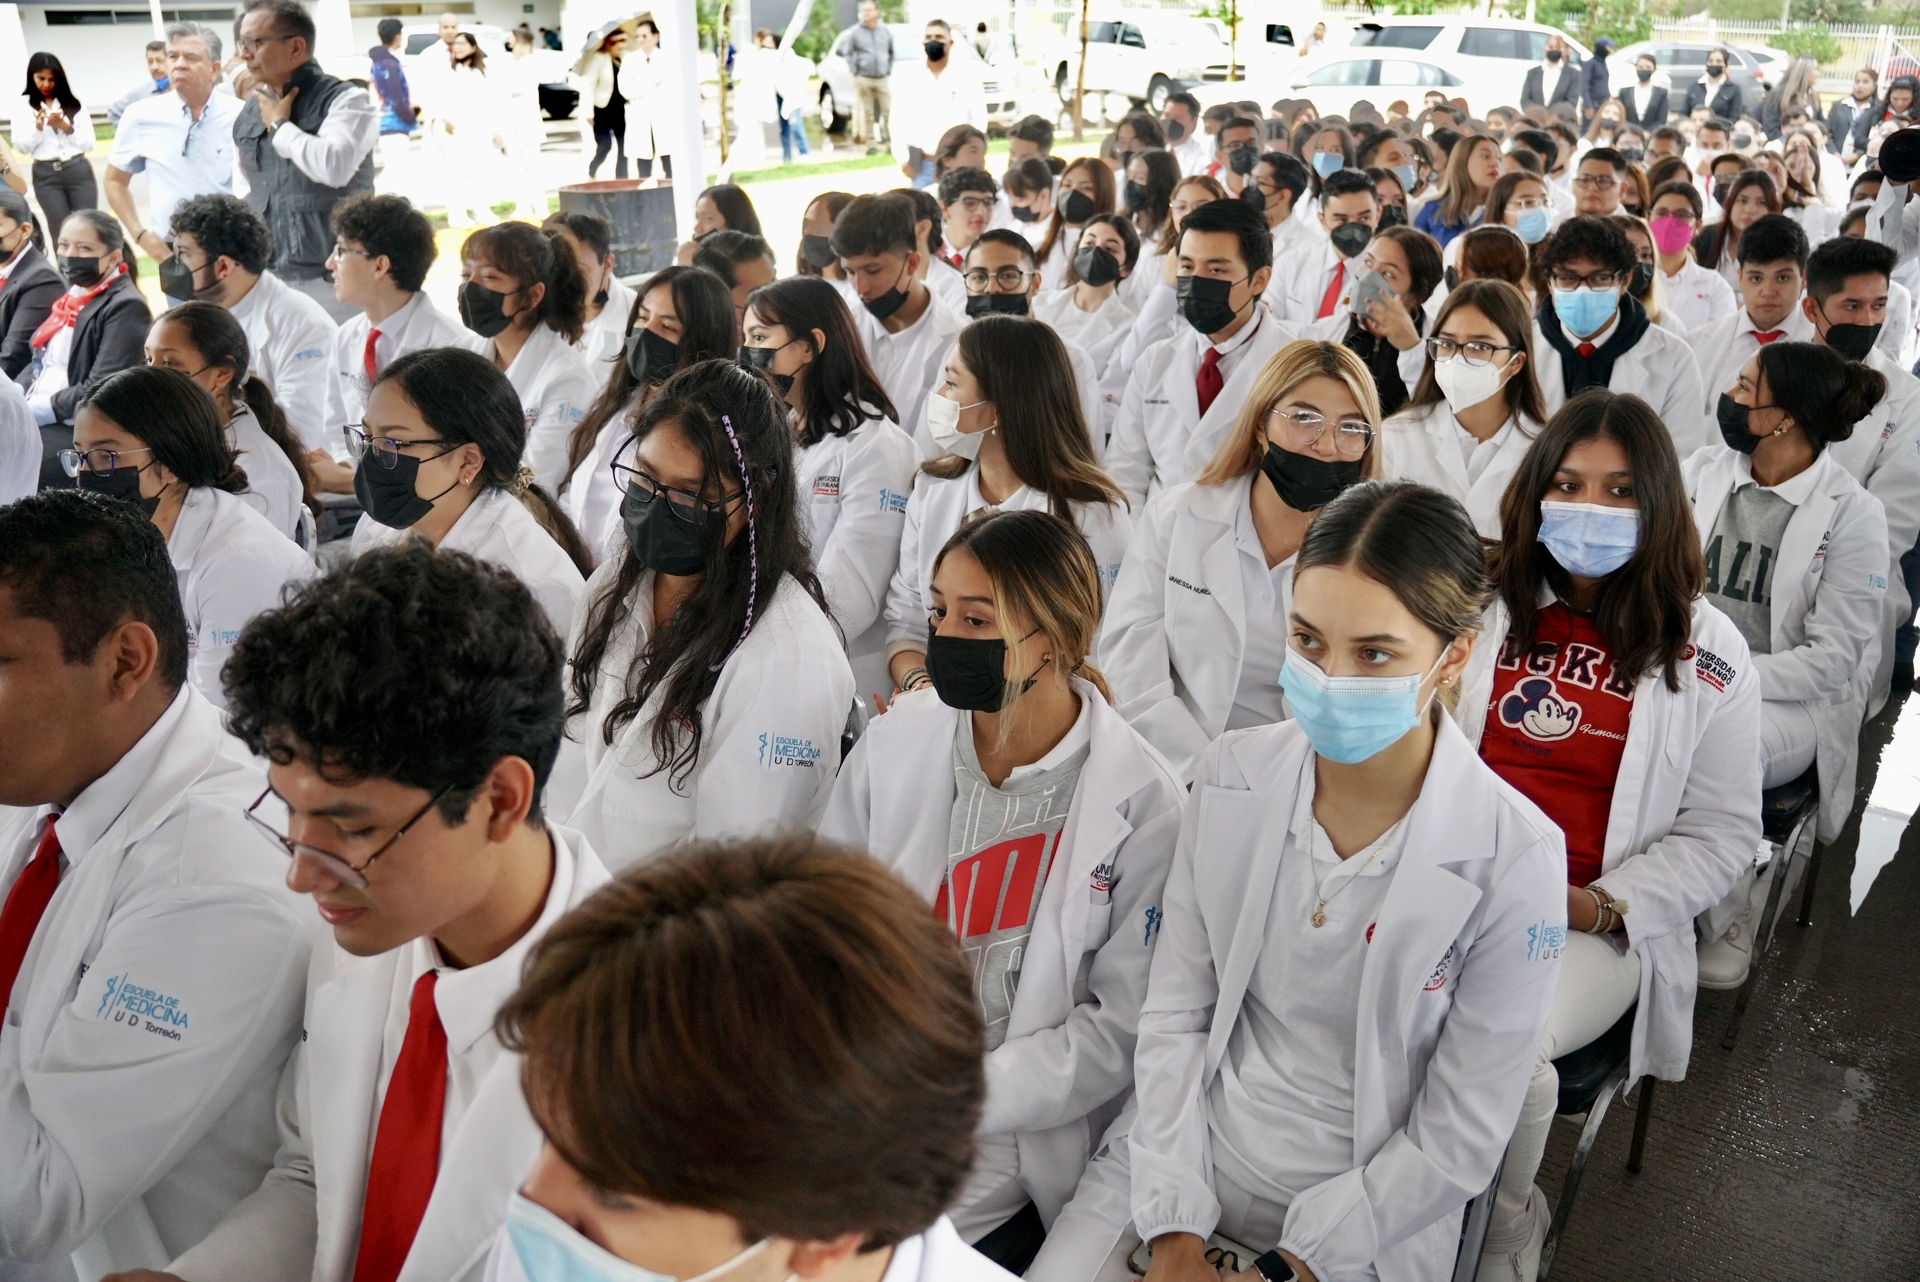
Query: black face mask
[(480, 309), (1243, 158), (1206, 303), (1305, 483), (1714, 73), (122, 483), (1643, 74), (26, 238), (1634, 155), (1095, 265), (935, 50), (1135, 195), (1175, 130), (979, 305), (1022, 214), (1720, 192), (818, 251), (600, 299), (887, 304), (1392, 216), (1453, 279), (1852, 341), (388, 493), (177, 280), (1075, 207), (761, 359), (970, 674), (1350, 238), (1255, 199), (84, 272), (1553, 55), (1642, 277), (650, 358), (1733, 425), (666, 543)]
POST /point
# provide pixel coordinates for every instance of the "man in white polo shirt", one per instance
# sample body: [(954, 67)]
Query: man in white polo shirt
[(182, 140)]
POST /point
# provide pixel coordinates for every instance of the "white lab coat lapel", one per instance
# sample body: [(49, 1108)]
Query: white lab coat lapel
[(1802, 547), (1213, 426), (1220, 563), (353, 1011)]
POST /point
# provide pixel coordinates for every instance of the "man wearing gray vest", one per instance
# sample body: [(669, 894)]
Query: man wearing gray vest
[(304, 141)]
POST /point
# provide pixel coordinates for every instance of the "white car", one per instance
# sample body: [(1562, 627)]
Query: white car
[(1334, 82), (1143, 56), (1486, 60)]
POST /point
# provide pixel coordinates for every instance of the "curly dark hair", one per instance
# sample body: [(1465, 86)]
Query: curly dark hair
[(407, 663), (683, 659), (226, 226), (1590, 237), (389, 227)]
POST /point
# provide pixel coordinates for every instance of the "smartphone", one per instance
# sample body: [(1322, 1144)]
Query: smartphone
[(1371, 287)]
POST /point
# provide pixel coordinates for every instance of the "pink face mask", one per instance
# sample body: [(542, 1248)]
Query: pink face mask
[(1670, 234)]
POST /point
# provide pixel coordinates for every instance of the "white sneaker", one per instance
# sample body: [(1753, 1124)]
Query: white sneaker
[(1519, 1263), (1724, 961)]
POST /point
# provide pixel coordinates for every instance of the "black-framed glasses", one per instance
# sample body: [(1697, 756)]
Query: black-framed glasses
[(385, 449), (1473, 352), (685, 505), (253, 44), (336, 865), (341, 251), (1593, 280), (1599, 182), (1007, 278), (99, 462), (1305, 427)]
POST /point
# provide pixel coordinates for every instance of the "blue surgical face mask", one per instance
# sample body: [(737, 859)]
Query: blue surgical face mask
[(1589, 539), (551, 1250), (1586, 309), (1327, 163), (1408, 176), (1348, 719), (1531, 225)]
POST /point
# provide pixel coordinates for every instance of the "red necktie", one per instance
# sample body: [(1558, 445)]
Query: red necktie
[(1585, 350), (373, 367), (26, 903), (1331, 298), (406, 1144), (1210, 380), (1769, 336)]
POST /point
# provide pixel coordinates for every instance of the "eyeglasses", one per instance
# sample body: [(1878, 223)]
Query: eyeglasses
[(1305, 428), (253, 44), (341, 251), (385, 449), (1527, 202), (1474, 352), (1007, 278), (975, 204), (1594, 280), (336, 865), (1596, 182), (684, 505), (98, 462)]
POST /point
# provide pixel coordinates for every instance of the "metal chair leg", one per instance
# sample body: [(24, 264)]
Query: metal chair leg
[(1782, 871), (1807, 883), (1640, 1121), (1563, 1207), (1473, 1234)]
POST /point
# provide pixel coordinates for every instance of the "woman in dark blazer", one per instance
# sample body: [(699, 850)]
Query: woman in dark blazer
[(1644, 101), (109, 320), (31, 285)]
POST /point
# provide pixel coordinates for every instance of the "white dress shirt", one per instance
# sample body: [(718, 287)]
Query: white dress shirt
[(46, 142), (415, 326), (181, 156), (347, 136)]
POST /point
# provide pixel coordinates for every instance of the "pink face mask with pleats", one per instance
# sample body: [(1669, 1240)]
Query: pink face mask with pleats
[(1670, 234)]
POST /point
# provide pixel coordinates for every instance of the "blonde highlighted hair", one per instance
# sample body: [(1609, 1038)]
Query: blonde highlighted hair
[(1303, 359), (1044, 576)]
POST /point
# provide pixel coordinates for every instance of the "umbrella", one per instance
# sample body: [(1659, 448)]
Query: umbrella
[(630, 25)]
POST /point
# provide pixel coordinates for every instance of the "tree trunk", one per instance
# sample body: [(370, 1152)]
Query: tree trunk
[(1080, 80), (721, 35)]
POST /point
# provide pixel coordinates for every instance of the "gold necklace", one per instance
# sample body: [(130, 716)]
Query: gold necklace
[(1319, 917)]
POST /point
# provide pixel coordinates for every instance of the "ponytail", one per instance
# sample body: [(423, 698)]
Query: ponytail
[(273, 421), (551, 518), (1821, 390)]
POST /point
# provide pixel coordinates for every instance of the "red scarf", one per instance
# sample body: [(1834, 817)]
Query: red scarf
[(69, 306)]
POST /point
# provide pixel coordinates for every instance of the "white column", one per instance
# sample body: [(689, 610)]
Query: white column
[(159, 21), (689, 146), (333, 34), (13, 46)]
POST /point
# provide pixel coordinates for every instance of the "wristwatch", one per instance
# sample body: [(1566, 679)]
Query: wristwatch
[(1274, 1267)]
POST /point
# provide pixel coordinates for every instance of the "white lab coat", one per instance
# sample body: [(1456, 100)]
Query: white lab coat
[(908, 363), (1422, 443), (651, 89), (1659, 369), (1883, 454), (122, 1143), (417, 325), (1727, 342), (592, 499), (604, 343), (1685, 819), (1158, 317), (853, 506), (498, 528), (291, 338), (937, 1255), (1477, 903), (1174, 637), (273, 483), (20, 445), (1300, 281), (556, 388), (770, 741), (925, 106), (1090, 339), (1160, 438), (1067, 1062), (936, 510), (1695, 296), (302, 1224), (231, 564), (1828, 612)]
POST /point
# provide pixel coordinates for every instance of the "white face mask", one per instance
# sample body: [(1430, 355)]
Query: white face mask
[(1464, 385), (943, 425), (551, 1250)]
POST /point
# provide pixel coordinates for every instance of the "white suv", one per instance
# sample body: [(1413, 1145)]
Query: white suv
[(1143, 57), (1489, 56)]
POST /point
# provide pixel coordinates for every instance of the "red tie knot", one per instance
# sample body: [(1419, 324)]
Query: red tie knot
[(1585, 349)]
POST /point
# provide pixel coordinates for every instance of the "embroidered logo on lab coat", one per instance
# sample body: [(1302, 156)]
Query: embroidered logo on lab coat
[(1438, 979), (778, 751), (1546, 940), (140, 1009), (1712, 669)]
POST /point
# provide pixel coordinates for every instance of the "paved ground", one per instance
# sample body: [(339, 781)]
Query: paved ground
[(1797, 1154)]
